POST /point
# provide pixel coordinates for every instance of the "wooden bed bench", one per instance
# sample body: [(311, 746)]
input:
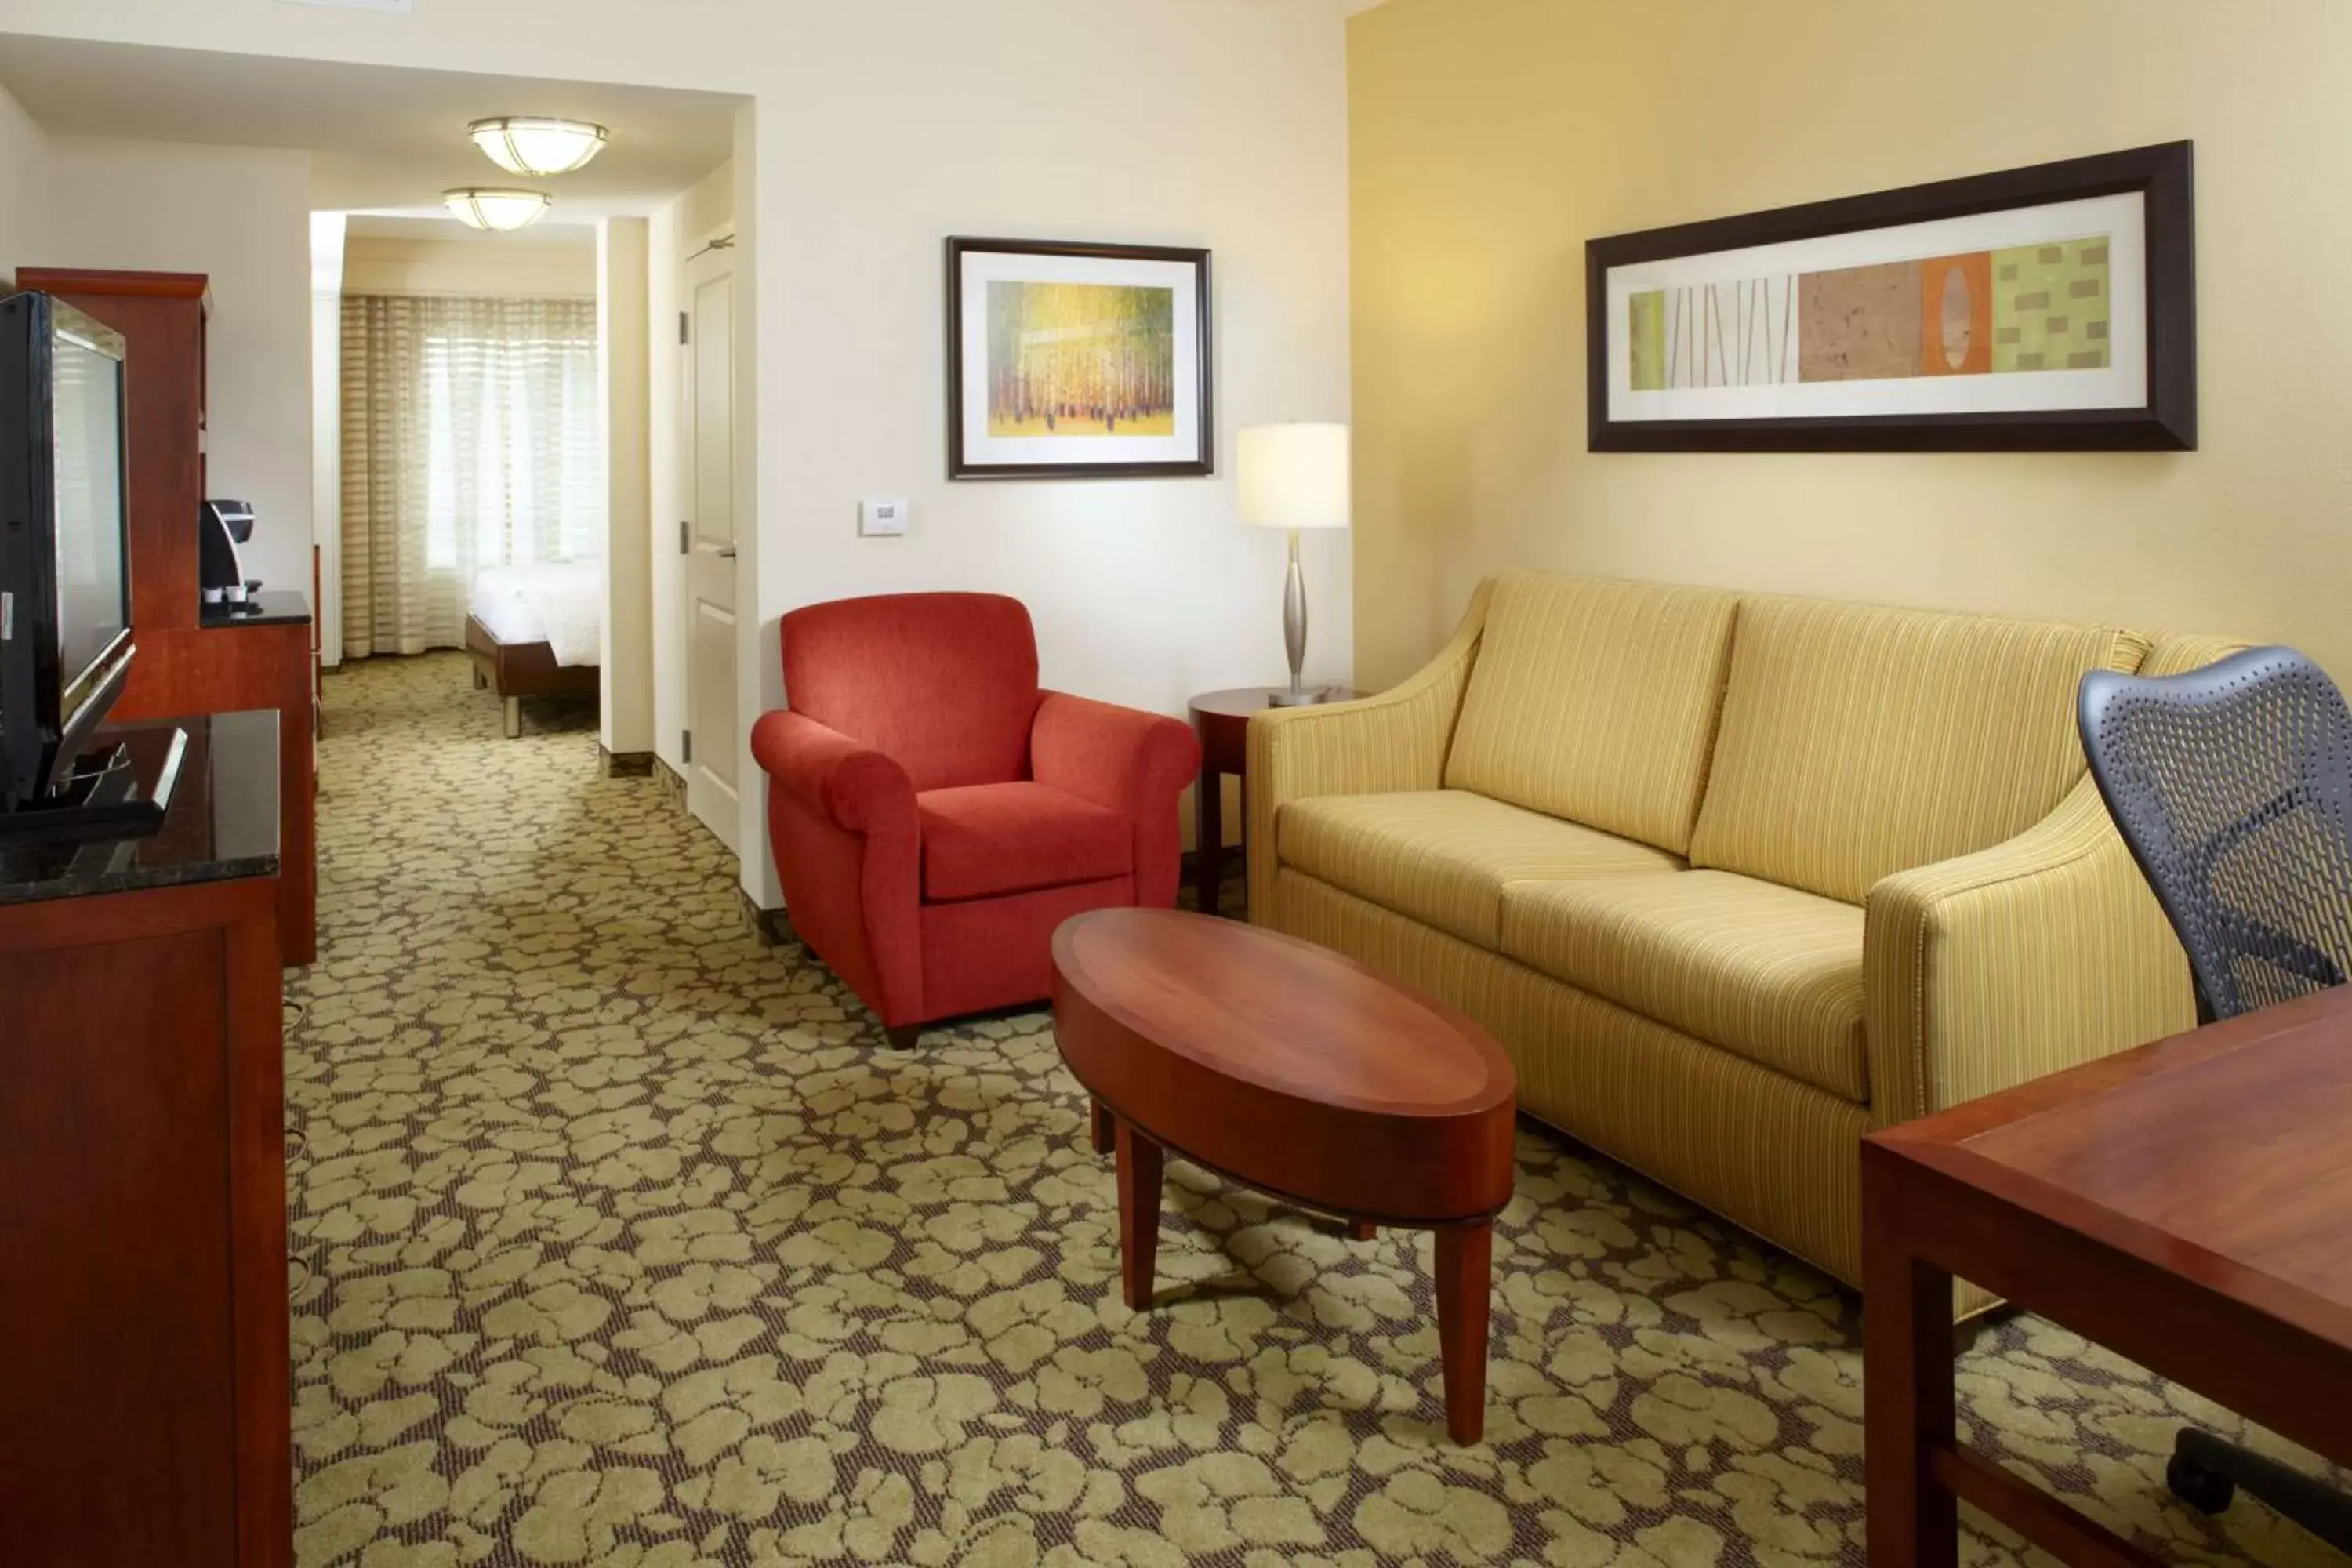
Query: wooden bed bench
[(517, 671)]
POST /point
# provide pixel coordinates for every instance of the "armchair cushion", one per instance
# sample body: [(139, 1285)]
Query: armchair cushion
[(1127, 761), (982, 841)]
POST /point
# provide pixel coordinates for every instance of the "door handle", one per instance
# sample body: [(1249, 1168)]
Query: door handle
[(726, 552)]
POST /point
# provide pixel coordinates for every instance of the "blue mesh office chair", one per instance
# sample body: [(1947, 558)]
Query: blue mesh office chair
[(2233, 785)]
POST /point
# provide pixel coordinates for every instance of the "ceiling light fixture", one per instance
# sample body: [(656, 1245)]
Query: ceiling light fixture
[(500, 211), (535, 144)]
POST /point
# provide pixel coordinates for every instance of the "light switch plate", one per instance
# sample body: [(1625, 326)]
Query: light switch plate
[(401, 7), (882, 518)]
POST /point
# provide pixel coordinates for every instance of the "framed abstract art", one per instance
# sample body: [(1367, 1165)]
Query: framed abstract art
[(2051, 308), (1069, 361)]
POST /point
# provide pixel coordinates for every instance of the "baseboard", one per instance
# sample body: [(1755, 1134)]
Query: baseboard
[(673, 784), (769, 926), (623, 765)]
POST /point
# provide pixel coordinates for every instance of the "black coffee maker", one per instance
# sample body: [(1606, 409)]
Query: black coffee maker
[(226, 590)]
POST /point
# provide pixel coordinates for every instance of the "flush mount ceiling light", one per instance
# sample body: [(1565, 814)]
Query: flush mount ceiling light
[(480, 206), (535, 144)]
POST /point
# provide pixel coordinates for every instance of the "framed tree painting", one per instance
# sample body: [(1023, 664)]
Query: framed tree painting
[(1069, 361), (2050, 307)]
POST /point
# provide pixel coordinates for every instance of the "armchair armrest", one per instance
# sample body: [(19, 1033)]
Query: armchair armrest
[(849, 848), (1133, 763), (2019, 961), (848, 783), (1394, 742)]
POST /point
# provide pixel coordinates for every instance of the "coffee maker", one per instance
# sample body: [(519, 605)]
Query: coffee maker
[(226, 589)]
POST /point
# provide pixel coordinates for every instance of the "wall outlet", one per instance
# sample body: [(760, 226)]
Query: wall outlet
[(884, 519)]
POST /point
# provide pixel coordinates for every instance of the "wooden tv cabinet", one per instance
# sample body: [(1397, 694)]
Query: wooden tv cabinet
[(186, 665), (145, 1412)]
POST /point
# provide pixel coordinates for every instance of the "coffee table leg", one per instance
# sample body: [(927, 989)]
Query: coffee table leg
[(1138, 1214), (1363, 1230), (1465, 1282), (1106, 1128)]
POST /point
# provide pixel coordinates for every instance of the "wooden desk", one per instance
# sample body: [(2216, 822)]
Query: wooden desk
[(2188, 1205), (1221, 720)]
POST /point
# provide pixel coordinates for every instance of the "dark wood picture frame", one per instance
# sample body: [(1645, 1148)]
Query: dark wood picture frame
[(962, 467), (2162, 175)]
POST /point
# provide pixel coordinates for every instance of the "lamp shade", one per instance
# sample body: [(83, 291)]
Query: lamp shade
[(1294, 476), (479, 206), (535, 144)]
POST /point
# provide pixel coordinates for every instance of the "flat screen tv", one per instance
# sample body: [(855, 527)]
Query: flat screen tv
[(64, 576)]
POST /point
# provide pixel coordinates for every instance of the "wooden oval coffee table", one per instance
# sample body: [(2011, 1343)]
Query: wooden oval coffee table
[(1297, 1071)]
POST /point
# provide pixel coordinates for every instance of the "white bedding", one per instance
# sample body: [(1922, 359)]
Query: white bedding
[(559, 603)]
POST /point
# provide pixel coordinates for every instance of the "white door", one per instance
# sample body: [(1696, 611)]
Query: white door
[(711, 716)]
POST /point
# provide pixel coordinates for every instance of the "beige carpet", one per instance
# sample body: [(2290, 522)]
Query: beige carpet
[(630, 1244)]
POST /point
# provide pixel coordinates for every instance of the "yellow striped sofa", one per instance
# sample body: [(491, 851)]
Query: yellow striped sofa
[(1734, 878)]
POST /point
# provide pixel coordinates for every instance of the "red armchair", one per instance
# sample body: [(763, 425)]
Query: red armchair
[(935, 814)]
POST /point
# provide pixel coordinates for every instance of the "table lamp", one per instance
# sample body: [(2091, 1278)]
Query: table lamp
[(1294, 477)]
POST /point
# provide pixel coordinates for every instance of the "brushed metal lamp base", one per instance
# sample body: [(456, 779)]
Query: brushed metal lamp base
[(1293, 636)]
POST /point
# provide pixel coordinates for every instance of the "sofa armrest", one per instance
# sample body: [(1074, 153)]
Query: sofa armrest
[(846, 782), (1394, 742), (2014, 962), (1133, 763)]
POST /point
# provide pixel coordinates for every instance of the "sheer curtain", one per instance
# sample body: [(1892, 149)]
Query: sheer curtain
[(472, 437)]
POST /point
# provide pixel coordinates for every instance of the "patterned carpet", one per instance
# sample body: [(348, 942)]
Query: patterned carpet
[(628, 1243)]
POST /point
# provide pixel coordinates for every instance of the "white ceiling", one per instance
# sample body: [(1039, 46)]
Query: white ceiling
[(389, 138)]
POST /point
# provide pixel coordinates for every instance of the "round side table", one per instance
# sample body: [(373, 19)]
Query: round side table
[(1221, 720)]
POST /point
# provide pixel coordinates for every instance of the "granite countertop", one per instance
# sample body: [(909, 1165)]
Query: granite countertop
[(222, 821), (271, 608)]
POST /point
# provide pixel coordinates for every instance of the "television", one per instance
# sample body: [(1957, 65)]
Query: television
[(64, 569)]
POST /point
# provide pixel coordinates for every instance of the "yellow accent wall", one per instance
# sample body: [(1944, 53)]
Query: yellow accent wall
[(1490, 138)]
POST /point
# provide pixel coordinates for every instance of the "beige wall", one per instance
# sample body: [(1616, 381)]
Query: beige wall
[(531, 268), (242, 216), (25, 238), (626, 661), (1491, 138)]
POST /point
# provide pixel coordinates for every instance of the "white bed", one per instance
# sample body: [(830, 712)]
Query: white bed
[(535, 631), (558, 603)]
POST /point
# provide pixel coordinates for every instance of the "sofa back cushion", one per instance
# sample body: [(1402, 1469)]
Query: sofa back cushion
[(944, 684), (1596, 701), (1858, 740)]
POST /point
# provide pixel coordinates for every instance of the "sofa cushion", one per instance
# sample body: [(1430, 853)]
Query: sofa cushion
[(1859, 741), (983, 840), (1595, 701), (1766, 971), (1444, 856)]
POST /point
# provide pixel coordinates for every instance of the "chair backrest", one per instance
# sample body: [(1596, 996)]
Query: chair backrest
[(944, 684), (2233, 785)]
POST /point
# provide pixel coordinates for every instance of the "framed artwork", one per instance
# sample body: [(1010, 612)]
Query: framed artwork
[(1078, 361), (2044, 309)]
